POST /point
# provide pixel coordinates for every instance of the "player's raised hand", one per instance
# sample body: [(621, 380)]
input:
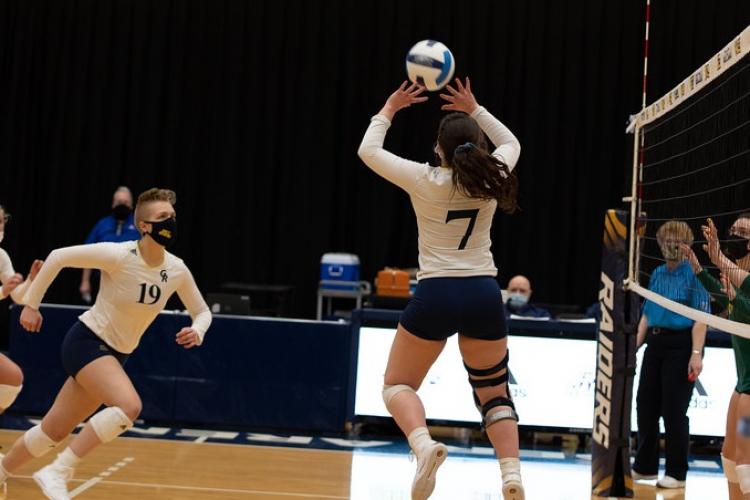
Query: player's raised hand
[(689, 255), (402, 98), (460, 98), (188, 337), (712, 247), (31, 319)]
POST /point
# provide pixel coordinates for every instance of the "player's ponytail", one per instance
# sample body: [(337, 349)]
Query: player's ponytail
[(476, 173)]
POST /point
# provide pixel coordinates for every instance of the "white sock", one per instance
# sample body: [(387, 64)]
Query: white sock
[(3, 473), (419, 438), (510, 468), (67, 458)]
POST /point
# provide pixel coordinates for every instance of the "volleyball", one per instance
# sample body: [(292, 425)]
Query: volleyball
[(430, 64)]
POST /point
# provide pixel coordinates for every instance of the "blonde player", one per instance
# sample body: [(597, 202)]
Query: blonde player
[(137, 279), (14, 286), (457, 290)]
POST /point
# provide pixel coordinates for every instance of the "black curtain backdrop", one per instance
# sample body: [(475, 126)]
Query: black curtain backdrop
[(253, 111)]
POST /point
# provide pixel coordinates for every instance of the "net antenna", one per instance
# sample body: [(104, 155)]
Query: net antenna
[(691, 161)]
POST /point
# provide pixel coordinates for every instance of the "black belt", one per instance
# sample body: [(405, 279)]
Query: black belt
[(660, 330)]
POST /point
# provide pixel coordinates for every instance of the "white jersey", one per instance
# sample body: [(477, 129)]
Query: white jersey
[(454, 230), (6, 273), (131, 293)]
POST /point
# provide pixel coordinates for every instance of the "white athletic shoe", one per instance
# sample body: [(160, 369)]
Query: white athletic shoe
[(642, 477), (53, 480), (429, 459), (513, 490), (670, 482)]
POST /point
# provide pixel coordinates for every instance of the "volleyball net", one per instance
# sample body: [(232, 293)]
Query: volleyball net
[(691, 164)]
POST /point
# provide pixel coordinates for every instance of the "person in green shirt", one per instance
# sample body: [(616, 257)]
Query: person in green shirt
[(732, 291)]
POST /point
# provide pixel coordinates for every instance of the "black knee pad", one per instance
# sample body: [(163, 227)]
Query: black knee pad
[(500, 379)]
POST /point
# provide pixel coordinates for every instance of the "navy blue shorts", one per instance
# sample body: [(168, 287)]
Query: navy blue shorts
[(81, 346), (441, 307)]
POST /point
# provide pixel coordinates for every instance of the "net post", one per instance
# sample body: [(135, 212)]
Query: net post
[(615, 359)]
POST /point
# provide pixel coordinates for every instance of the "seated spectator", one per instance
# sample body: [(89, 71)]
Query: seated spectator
[(519, 293)]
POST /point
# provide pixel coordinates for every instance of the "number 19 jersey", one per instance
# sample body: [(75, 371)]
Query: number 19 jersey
[(131, 294), (454, 230)]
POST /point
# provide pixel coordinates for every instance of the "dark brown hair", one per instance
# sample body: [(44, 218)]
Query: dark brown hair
[(476, 173)]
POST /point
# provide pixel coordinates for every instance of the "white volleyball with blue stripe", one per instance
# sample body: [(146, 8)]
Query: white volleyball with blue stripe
[(430, 64)]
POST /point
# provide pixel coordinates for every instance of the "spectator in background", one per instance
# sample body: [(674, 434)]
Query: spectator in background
[(519, 293), (117, 227)]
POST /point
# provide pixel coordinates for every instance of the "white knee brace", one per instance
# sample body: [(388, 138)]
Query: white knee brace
[(390, 391), (37, 442), (730, 469), (8, 394), (110, 423), (743, 477)]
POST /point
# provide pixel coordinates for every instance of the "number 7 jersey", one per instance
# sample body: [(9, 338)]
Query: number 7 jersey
[(454, 230), (131, 293)]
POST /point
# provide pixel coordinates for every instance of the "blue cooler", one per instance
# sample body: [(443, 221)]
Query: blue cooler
[(339, 267)]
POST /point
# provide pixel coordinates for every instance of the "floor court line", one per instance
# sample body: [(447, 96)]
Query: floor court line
[(85, 486), (106, 473), (135, 484)]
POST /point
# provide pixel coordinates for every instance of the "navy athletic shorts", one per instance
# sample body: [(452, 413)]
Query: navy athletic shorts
[(441, 307), (81, 346)]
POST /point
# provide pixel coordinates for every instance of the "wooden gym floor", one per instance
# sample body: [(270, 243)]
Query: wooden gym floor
[(166, 469)]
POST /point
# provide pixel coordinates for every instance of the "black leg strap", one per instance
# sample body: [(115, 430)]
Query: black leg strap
[(497, 416), (488, 371), (495, 402), (489, 382)]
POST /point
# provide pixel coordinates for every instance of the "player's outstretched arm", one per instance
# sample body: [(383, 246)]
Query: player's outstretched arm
[(399, 171), (461, 99), (103, 256)]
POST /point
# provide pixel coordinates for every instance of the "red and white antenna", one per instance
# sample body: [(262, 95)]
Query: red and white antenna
[(645, 52)]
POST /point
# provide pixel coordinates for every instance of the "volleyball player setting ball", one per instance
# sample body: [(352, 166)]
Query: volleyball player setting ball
[(457, 291), (137, 279)]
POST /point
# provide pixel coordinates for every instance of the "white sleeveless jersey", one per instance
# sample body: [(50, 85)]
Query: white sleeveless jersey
[(131, 293), (454, 230), (6, 273)]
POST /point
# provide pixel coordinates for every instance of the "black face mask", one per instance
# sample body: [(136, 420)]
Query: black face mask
[(163, 232), (120, 212), (736, 247)]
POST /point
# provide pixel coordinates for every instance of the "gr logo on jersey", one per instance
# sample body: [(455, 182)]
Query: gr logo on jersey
[(163, 275)]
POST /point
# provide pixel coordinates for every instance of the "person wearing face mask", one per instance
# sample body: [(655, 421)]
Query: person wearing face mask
[(116, 227), (519, 293), (138, 277), (732, 291), (671, 362)]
